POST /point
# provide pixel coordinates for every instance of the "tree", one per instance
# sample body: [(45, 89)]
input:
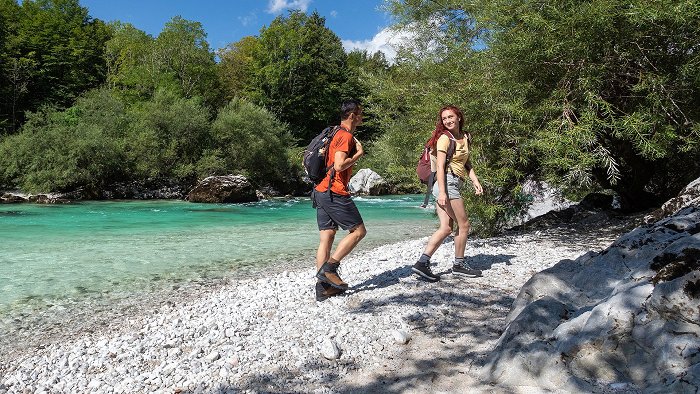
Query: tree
[(236, 68), (182, 51), (300, 71), (167, 135), (247, 139), (131, 68), (12, 86), (53, 52), (586, 94), (179, 59), (61, 150), (617, 85), (360, 67)]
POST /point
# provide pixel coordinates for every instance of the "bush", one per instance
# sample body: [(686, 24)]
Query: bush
[(63, 150), (168, 136), (249, 140)]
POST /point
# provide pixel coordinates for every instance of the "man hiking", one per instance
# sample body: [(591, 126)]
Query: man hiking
[(334, 207)]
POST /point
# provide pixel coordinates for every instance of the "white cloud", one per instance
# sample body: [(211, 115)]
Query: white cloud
[(387, 41), (334, 13), (249, 19), (275, 6)]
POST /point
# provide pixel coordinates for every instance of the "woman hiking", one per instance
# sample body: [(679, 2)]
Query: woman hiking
[(450, 178)]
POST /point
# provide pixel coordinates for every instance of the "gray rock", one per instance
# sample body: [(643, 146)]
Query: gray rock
[(690, 195), (368, 182), (544, 199), (401, 337), (9, 198), (213, 356)]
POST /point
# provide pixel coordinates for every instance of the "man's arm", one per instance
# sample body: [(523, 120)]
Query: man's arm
[(342, 161)]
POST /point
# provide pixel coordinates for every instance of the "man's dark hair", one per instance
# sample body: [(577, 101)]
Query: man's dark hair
[(348, 107)]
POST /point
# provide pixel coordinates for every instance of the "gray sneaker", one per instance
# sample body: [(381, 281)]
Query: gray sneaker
[(465, 270)]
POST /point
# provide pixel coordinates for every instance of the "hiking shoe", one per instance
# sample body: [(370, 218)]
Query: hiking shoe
[(329, 274), (325, 291), (465, 270), (423, 269)]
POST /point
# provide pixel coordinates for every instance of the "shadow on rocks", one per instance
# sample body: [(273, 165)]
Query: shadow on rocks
[(385, 279), (486, 261), (393, 277)]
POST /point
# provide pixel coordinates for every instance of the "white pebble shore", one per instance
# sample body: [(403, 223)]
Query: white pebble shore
[(269, 334)]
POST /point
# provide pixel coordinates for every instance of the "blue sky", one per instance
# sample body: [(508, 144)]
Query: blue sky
[(360, 24)]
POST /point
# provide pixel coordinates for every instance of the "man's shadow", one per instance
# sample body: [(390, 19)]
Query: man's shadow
[(385, 279)]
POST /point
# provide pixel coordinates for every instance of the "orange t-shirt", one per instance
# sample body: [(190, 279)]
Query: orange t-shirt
[(343, 141)]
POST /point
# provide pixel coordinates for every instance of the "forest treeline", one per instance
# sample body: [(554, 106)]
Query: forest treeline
[(597, 95)]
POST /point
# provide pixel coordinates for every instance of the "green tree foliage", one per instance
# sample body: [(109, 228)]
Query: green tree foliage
[(82, 147), (101, 141), (236, 67), (11, 87), (52, 51), (168, 135), (182, 50), (250, 140), (585, 94), (179, 58), (300, 71), (360, 66), (131, 68), (617, 84)]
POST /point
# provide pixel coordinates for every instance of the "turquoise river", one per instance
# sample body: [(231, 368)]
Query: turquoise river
[(51, 254)]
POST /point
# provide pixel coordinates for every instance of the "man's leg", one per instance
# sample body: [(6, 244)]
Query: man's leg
[(324, 247), (348, 243), (343, 212)]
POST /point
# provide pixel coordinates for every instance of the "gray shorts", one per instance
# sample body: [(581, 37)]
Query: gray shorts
[(336, 211), (454, 184)]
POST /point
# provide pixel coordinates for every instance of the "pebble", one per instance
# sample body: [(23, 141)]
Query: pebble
[(330, 349), (401, 337)]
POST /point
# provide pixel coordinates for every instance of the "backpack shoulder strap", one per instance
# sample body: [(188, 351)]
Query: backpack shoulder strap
[(330, 166), (452, 147)]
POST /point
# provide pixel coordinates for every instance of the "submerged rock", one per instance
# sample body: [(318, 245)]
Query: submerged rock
[(223, 189)]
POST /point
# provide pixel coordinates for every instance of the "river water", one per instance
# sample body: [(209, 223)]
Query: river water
[(54, 254)]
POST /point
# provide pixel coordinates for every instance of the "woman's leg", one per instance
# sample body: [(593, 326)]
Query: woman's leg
[(460, 215), (445, 215)]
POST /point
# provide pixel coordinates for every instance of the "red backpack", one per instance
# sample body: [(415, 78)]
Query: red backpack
[(424, 169)]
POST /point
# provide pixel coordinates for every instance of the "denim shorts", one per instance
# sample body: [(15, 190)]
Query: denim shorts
[(336, 210), (454, 184)]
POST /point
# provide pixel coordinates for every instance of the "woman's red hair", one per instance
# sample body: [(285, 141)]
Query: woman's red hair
[(440, 127)]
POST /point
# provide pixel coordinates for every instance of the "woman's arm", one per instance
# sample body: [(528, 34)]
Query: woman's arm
[(441, 175), (478, 190)]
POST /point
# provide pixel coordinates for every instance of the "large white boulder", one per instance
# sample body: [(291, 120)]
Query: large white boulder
[(626, 317), (369, 182)]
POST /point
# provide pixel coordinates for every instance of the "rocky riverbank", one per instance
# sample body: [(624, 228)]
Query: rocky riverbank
[(391, 332)]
